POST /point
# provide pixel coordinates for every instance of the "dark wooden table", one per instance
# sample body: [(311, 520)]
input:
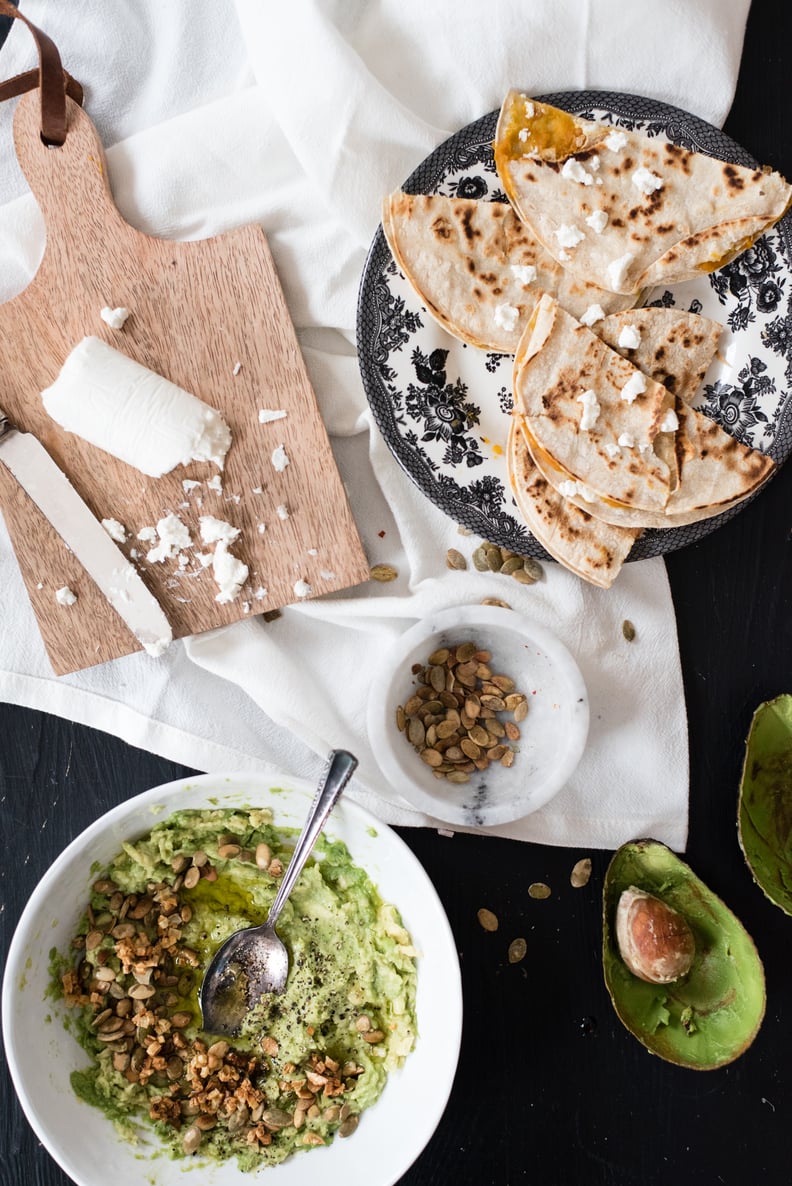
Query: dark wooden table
[(550, 1089)]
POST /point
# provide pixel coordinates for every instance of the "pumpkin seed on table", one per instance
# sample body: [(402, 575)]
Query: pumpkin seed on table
[(628, 630), (581, 872), (487, 919), (455, 559), (383, 572), (539, 890), (517, 950)]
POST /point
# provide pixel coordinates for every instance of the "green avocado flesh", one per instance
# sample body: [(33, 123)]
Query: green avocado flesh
[(765, 812), (307, 1062), (711, 1015)]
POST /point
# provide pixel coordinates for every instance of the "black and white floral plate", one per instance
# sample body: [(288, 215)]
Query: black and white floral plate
[(442, 406)]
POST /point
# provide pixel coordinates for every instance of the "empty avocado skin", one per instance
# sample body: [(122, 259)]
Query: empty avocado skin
[(711, 1015), (765, 811)]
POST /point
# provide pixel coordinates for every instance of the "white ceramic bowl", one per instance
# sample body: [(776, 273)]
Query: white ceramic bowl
[(42, 1054), (553, 735)]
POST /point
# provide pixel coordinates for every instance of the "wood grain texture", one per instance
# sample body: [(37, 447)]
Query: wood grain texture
[(197, 309)]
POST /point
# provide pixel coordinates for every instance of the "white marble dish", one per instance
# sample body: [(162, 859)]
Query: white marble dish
[(553, 734)]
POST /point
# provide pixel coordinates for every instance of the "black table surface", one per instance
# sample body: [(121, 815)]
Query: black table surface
[(550, 1088)]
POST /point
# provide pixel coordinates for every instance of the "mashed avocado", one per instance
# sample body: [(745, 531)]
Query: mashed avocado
[(308, 1061)]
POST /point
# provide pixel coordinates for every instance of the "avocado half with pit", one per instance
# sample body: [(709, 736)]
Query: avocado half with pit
[(709, 1016), (765, 811)]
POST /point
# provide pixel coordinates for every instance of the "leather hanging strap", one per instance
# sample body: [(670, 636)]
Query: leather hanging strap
[(51, 79)]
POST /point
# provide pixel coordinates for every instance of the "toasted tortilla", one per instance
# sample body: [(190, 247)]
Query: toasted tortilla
[(592, 549), (479, 270), (626, 456), (665, 214), (675, 347)]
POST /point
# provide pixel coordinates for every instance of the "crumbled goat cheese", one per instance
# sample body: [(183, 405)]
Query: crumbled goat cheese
[(257, 490), (629, 338), (189, 484), (302, 589), (65, 596), (611, 449), (115, 530), (529, 109), (646, 181), (216, 484), (147, 534), (282, 511), (237, 368), (260, 593), (568, 489), (569, 235), (505, 316), (627, 440), (618, 269), (615, 141), (327, 574), (115, 318), (279, 459), (574, 171), (591, 409), (594, 165), (670, 422), (593, 314), (213, 529), (229, 573), (523, 134), (634, 386), (598, 221), (564, 255), (261, 528), (204, 558), (523, 273), (267, 415), (173, 537)]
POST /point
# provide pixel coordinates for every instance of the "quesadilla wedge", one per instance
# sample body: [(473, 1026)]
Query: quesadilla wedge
[(705, 489), (672, 346), (479, 270), (624, 210), (605, 424), (588, 547)]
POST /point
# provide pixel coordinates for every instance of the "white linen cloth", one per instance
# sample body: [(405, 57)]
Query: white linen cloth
[(301, 116)]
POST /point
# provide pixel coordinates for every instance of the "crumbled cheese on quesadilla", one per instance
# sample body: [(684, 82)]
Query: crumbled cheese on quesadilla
[(634, 386), (591, 409), (646, 181), (627, 440), (615, 141), (574, 171), (593, 314), (569, 236), (530, 110), (617, 269), (505, 316), (611, 449), (525, 273), (670, 422), (629, 338), (598, 221)]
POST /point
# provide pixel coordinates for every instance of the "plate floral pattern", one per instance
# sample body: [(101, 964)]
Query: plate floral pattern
[(442, 406)]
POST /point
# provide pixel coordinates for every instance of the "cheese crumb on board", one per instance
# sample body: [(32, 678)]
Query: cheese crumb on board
[(173, 535), (115, 318), (213, 529), (267, 415), (229, 573), (279, 459), (302, 589), (282, 511), (65, 596), (115, 530)]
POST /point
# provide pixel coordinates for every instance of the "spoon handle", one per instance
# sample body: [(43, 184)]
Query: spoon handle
[(337, 773)]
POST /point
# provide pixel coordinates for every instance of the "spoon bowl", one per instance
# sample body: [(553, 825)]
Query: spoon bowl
[(254, 961)]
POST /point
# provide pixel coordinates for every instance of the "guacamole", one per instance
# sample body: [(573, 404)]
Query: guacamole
[(308, 1061)]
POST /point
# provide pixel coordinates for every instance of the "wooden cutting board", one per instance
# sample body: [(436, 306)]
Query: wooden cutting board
[(199, 312)]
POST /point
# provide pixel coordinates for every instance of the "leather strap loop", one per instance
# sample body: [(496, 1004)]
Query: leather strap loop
[(52, 80)]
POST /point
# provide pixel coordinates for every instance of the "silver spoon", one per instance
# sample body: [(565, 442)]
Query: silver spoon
[(254, 961)]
